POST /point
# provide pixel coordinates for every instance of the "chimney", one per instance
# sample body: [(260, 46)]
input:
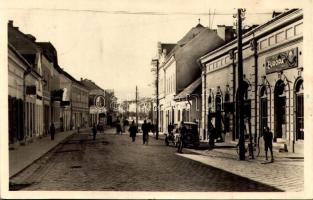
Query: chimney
[(225, 32), (10, 23)]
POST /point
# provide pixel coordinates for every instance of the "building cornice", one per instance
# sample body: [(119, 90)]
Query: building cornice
[(256, 33)]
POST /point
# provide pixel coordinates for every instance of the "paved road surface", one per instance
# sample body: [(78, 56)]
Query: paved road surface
[(114, 163)]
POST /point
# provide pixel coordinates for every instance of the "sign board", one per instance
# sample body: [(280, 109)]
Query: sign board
[(99, 101), (281, 61), (95, 110)]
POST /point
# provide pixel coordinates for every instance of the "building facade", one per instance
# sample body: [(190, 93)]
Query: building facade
[(17, 66), (96, 103), (179, 69), (273, 83), (26, 46)]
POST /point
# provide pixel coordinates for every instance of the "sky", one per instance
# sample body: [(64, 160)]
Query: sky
[(113, 42)]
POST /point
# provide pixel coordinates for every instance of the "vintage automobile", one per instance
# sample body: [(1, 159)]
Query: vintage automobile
[(191, 138)]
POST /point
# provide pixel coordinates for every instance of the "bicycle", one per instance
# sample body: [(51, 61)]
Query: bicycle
[(255, 148)]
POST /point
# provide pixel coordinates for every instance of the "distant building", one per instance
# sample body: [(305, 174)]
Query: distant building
[(75, 109), (97, 107)]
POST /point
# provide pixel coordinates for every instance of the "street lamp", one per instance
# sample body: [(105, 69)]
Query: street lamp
[(156, 63)]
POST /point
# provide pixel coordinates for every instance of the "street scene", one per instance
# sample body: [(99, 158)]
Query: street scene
[(78, 164), (102, 99)]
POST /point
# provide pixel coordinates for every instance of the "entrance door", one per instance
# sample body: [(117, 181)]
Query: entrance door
[(218, 111), (299, 111), (279, 109)]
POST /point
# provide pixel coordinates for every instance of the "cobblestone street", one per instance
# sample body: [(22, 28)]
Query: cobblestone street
[(114, 163)]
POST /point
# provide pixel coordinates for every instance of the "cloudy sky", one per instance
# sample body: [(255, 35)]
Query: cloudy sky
[(112, 42)]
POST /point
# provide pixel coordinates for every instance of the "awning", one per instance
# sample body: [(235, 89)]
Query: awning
[(188, 90)]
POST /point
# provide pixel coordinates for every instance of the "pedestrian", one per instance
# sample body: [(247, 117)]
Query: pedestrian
[(145, 132), (78, 127), (212, 135), (183, 132), (52, 131), (268, 142), (118, 126), (94, 131), (132, 131), (122, 126)]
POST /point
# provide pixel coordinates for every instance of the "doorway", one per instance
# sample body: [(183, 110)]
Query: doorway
[(279, 109), (299, 110)]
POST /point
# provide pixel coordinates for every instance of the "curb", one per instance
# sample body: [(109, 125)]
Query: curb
[(39, 157)]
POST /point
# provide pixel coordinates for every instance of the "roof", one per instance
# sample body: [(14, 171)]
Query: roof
[(190, 34), (190, 89), (23, 43), (205, 41), (49, 51), (18, 55), (90, 85), (72, 78)]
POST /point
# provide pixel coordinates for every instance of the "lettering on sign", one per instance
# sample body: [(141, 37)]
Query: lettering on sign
[(281, 61)]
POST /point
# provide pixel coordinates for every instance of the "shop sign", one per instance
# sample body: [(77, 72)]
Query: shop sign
[(95, 110), (281, 61), (99, 101)]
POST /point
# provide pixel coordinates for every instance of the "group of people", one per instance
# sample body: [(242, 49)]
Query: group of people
[(120, 125), (146, 128)]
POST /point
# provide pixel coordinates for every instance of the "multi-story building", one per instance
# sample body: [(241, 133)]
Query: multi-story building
[(54, 84), (75, 110), (273, 81), (96, 104), (180, 70), (47, 69), (17, 68), (25, 45)]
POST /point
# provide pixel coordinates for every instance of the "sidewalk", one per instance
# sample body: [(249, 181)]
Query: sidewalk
[(285, 173), (23, 156)]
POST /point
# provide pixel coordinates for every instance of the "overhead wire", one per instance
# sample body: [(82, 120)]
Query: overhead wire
[(125, 12)]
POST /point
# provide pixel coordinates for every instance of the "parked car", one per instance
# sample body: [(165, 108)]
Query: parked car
[(192, 136)]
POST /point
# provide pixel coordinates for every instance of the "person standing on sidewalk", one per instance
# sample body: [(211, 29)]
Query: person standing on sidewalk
[(183, 132), (94, 131), (145, 132), (268, 142), (132, 131), (52, 131)]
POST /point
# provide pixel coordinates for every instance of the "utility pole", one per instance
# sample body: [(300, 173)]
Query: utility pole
[(240, 85), (136, 106), (156, 63)]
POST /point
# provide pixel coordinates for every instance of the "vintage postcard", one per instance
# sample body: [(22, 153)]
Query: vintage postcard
[(156, 99)]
